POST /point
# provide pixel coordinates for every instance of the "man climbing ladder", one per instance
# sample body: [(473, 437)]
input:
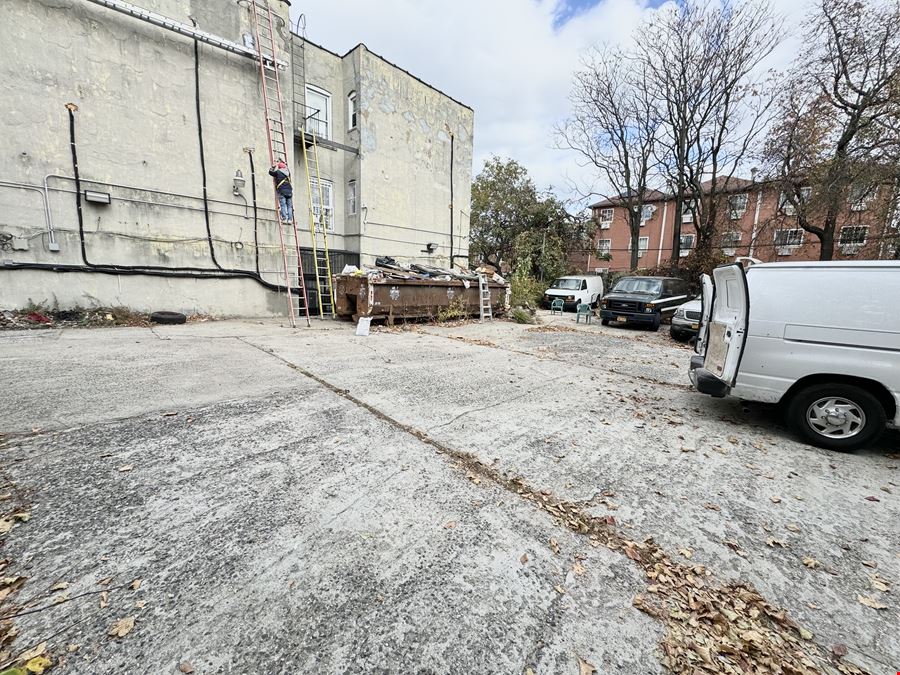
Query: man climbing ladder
[(285, 190)]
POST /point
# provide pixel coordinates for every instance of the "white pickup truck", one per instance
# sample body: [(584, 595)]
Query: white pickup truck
[(822, 339)]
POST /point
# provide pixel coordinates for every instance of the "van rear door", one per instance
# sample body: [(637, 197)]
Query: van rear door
[(706, 296), (726, 329)]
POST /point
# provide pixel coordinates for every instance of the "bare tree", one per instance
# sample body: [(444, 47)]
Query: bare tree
[(836, 142), (613, 127), (702, 60)]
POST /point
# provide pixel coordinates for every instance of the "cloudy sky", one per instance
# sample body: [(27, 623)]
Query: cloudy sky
[(511, 60)]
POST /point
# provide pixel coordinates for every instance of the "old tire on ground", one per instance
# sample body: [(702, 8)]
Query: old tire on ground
[(836, 416), (169, 318)]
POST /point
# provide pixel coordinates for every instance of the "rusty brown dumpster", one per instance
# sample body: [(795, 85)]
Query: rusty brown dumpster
[(387, 298)]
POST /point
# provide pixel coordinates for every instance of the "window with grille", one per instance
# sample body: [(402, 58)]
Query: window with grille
[(647, 213), (643, 245), (785, 238), (606, 218), (731, 240), (737, 206), (853, 235), (322, 194), (687, 243), (318, 112), (604, 246)]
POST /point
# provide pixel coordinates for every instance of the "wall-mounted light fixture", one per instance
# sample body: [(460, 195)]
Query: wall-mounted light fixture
[(238, 182), (97, 197), (430, 248)]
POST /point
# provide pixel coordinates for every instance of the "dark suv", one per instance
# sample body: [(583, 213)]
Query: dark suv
[(643, 300)]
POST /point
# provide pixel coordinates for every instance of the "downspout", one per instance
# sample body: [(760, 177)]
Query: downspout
[(662, 233), (755, 223), (452, 137)]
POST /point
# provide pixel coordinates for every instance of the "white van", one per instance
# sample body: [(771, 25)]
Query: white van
[(820, 338), (575, 290)]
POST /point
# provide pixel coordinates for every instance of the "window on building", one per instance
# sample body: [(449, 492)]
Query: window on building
[(351, 197), (861, 196), (853, 236), (606, 218), (352, 110), (786, 207), (643, 245), (318, 112), (687, 243), (604, 247), (687, 212), (785, 240), (647, 213), (322, 195), (730, 241), (737, 206)]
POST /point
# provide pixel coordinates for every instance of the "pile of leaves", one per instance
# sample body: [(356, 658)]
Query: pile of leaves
[(552, 329), (37, 317)]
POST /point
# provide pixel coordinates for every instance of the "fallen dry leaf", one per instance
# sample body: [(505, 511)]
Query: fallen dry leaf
[(870, 602), (126, 467), (524, 558), (792, 527), (880, 583), (585, 668), (104, 599), (122, 627), (74, 648), (38, 665), (6, 525), (136, 584), (686, 552), (559, 589), (450, 524), (185, 667), (775, 499), (170, 414), (872, 498), (61, 586), (839, 649), (140, 604), (711, 507), (771, 541), (554, 545), (578, 568), (869, 563), (805, 634), (105, 581), (32, 653), (811, 563)]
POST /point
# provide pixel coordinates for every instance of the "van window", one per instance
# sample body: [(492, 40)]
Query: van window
[(567, 284), (584, 284), (638, 285)]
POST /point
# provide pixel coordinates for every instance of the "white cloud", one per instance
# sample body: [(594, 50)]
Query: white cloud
[(504, 58)]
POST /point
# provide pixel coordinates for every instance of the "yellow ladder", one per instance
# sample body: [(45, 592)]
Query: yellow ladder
[(318, 226)]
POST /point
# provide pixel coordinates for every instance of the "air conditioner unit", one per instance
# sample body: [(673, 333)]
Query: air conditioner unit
[(784, 250), (729, 251), (851, 249), (687, 217), (788, 209), (604, 225)]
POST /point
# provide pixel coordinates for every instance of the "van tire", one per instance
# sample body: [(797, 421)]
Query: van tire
[(875, 417), (655, 325)]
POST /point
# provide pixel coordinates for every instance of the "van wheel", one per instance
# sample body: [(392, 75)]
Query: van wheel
[(655, 325), (836, 416)]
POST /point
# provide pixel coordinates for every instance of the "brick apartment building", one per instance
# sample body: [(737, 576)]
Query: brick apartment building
[(756, 221)]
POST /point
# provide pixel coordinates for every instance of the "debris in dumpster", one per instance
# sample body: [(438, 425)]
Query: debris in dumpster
[(395, 290)]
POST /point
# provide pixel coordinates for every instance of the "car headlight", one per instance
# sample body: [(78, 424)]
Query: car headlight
[(570, 298), (679, 313)]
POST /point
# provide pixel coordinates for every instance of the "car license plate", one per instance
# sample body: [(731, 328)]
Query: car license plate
[(621, 319), (695, 326)]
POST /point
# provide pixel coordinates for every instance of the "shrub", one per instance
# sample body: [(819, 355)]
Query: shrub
[(526, 291), (455, 311), (521, 315)]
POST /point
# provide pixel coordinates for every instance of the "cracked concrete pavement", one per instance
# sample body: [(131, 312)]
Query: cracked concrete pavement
[(279, 526)]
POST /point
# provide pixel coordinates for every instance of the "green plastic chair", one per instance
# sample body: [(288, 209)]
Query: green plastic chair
[(556, 306), (583, 310)]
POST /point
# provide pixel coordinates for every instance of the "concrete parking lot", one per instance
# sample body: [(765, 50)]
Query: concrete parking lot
[(480, 498)]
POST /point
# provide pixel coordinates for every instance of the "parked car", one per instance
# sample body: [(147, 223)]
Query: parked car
[(686, 320), (643, 300), (575, 290), (821, 339)]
